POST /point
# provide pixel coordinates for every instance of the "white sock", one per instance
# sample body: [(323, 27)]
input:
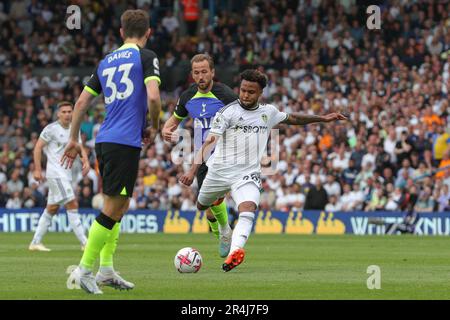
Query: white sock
[(224, 229), (44, 223), (75, 223), (242, 230), (106, 270), (83, 270)]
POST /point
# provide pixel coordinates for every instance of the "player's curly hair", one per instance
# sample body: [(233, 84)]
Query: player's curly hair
[(254, 75)]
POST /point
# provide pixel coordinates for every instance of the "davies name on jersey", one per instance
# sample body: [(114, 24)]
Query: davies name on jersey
[(118, 55)]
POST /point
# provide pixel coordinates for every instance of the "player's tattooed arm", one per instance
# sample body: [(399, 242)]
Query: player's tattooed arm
[(302, 119)]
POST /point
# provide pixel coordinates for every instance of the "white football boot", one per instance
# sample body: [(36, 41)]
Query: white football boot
[(114, 280)]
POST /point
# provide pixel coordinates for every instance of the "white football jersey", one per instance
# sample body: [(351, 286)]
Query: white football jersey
[(244, 135), (56, 137)]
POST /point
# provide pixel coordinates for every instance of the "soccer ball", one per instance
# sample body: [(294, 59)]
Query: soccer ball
[(188, 260)]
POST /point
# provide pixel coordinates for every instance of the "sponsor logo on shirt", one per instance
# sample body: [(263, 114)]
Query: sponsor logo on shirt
[(251, 129)]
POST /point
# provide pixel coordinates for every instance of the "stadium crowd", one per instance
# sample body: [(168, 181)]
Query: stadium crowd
[(319, 57)]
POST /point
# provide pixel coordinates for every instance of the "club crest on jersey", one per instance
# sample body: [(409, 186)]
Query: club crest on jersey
[(203, 107), (264, 117)]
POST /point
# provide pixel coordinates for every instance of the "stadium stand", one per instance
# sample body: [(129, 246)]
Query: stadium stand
[(319, 57)]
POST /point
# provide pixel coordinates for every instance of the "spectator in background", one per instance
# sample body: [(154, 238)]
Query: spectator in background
[(441, 143), (268, 198), (369, 157), (342, 161), (402, 148), (170, 22), (28, 198), (86, 197), (393, 199), (377, 200), (14, 202), (443, 164), (333, 205), (3, 177), (174, 189), (191, 15), (363, 177), (29, 84), (357, 155), (188, 203), (349, 174), (15, 185), (353, 200), (86, 182), (444, 198), (332, 187), (317, 197), (140, 197), (425, 202), (3, 195)]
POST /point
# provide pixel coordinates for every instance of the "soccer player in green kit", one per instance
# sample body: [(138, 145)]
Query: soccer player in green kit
[(129, 79), (201, 101)]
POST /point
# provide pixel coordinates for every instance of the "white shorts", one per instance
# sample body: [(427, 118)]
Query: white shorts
[(241, 191), (60, 191)]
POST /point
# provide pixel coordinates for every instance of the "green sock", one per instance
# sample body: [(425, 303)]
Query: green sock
[(107, 253), (214, 227), (220, 213), (98, 235)]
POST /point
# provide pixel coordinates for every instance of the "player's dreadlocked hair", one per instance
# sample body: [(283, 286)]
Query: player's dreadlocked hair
[(254, 75)]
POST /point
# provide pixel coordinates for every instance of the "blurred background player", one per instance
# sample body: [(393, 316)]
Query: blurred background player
[(201, 101), (52, 141), (407, 203), (240, 131), (129, 79)]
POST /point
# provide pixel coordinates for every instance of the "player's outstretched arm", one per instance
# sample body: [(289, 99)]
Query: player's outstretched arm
[(200, 157), (73, 148), (302, 119), (169, 127)]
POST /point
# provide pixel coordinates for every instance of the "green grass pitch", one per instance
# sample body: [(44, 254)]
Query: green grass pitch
[(277, 267)]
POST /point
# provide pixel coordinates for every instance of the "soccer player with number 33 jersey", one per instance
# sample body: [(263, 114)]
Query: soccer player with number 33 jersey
[(129, 79)]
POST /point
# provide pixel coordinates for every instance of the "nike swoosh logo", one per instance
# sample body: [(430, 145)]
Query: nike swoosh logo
[(202, 114)]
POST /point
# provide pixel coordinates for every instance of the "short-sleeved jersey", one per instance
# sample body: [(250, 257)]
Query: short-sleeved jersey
[(56, 138), (243, 139), (202, 107), (122, 76)]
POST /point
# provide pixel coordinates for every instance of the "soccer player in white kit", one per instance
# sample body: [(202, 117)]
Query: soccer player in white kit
[(239, 134), (52, 141)]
